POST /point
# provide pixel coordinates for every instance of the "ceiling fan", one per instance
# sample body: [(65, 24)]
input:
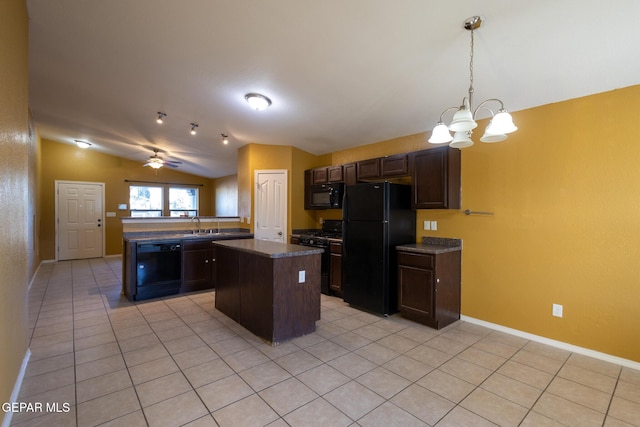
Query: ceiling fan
[(156, 162)]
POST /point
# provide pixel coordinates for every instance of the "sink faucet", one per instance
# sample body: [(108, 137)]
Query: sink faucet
[(197, 219)]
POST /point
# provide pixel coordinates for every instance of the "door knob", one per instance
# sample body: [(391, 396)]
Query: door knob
[(279, 233)]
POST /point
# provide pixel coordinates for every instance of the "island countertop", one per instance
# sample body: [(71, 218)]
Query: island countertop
[(268, 248)]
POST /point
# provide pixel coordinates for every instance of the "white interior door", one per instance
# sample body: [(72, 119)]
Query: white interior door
[(270, 203), (79, 220)]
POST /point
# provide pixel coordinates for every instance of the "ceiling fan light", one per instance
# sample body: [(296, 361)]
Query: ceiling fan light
[(155, 165), (194, 126), (161, 116), (440, 134), (461, 140), (257, 101), (502, 123), (462, 121)]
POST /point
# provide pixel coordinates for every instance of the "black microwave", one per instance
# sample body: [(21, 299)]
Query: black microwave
[(326, 196)]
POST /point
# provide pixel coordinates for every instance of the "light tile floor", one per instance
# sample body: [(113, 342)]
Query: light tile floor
[(178, 361)]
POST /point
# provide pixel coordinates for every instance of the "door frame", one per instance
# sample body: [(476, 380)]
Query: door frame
[(285, 172), (57, 216)]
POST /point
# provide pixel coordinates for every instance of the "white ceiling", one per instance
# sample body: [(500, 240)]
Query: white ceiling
[(340, 73)]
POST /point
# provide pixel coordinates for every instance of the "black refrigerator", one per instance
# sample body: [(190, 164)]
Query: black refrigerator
[(377, 217)]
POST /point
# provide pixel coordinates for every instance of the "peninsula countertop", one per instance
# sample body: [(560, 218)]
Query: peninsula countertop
[(268, 248)]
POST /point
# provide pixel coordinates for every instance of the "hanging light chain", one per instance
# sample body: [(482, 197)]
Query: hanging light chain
[(471, 73)]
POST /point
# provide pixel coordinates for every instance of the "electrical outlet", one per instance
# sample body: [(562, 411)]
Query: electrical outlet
[(301, 276), (427, 225), (434, 225), (557, 310)]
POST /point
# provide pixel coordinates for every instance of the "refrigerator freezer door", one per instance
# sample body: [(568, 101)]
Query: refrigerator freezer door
[(366, 202), (366, 265)]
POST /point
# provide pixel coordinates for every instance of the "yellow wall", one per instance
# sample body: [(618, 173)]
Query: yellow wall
[(18, 172), (225, 190), (252, 157), (565, 195), (68, 162)]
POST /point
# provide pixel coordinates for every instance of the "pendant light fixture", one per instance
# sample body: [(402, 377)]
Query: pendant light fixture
[(463, 121), (225, 138), (194, 126), (161, 116)]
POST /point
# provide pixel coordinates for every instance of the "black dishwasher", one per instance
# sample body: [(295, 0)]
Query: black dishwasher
[(158, 269)]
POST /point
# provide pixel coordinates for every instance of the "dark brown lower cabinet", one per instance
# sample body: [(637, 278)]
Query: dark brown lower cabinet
[(429, 287), (335, 268), (198, 265)]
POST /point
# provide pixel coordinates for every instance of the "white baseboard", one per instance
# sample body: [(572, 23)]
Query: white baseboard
[(6, 422), (559, 344)]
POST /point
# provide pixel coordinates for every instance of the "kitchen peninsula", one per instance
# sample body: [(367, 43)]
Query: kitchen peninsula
[(270, 288)]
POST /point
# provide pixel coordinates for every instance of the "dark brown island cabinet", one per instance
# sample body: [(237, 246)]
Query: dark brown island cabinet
[(270, 288), (429, 285)]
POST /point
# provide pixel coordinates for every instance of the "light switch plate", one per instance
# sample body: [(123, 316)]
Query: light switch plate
[(111, 214), (427, 225), (434, 225), (557, 310), (301, 276)]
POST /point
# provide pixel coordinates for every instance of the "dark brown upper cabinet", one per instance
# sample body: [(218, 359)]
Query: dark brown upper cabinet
[(349, 173), (335, 173), (368, 169), (320, 175), (397, 165), (436, 178)]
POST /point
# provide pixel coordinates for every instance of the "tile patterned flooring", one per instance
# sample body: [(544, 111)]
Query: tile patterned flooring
[(178, 361)]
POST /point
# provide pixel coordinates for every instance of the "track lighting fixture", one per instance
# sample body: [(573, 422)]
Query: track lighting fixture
[(463, 121), (225, 138), (82, 144), (257, 101), (194, 126), (161, 117)]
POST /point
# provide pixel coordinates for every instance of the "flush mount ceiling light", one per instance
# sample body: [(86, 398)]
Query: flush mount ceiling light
[(463, 121), (82, 144), (161, 116), (257, 101), (194, 126), (225, 138)]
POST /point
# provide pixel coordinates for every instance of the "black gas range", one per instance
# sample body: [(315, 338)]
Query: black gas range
[(331, 230)]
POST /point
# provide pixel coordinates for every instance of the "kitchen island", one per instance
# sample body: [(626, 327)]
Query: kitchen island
[(270, 288)]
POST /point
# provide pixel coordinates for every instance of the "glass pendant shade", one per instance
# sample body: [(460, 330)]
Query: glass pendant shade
[(155, 165), (502, 123), (461, 140), (462, 121), (440, 134), (490, 135), (493, 137)]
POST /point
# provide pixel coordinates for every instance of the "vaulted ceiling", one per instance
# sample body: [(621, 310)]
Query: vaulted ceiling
[(339, 73)]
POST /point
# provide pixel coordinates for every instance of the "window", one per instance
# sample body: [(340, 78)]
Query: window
[(145, 201), (149, 201), (183, 201)]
